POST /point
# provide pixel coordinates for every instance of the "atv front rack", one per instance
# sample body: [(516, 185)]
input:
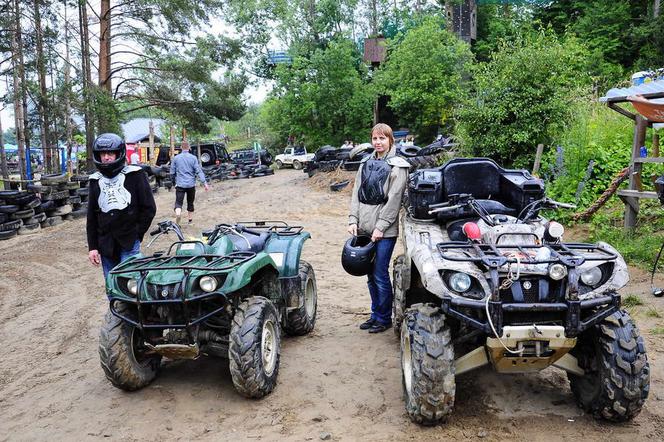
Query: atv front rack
[(183, 262), (495, 256)]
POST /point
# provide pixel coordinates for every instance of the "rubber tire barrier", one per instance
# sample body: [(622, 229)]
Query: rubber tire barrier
[(53, 178), (29, 229), (9, 208), (618, 388), (6, 234), (62, 211), (78, 214), (433, 386), (11, 225), (298, 322), (23, 214), (244, 350), (118, 359)]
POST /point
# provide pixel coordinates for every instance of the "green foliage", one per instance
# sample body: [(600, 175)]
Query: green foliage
[(321, 99), (422, 76), (631, 301), (657, 331), (522, 97), (638, 247), (593, 132)]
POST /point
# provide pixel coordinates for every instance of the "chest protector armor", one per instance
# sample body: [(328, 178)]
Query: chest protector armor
[(372, 187), (112, 192)]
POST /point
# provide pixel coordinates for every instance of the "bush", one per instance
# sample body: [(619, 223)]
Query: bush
[(522, 97)]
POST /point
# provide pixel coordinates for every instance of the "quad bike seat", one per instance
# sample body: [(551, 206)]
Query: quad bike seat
[(248, 240)]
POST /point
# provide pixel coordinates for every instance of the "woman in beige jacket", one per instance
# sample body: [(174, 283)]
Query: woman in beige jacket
[(374, 211)]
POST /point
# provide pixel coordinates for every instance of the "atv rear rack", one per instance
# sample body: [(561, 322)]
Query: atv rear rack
[(495, 256), (278, 227), (183, 262)]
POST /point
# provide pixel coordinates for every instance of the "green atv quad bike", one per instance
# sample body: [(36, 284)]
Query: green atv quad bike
[(230, 297)]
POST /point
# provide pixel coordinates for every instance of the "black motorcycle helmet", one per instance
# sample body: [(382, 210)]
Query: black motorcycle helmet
[(358, 255), (109, 143)]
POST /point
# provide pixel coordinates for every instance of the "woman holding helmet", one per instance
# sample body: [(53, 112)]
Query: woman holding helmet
[(374, 212)]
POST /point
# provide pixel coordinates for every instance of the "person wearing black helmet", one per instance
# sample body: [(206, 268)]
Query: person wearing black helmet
[(376, 200), (120, 205)]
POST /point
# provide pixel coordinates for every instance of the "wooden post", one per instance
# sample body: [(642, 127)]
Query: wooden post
[(538, 158), (151, 143), (171, 152), (655, 144), (632, 210), (198, 151)]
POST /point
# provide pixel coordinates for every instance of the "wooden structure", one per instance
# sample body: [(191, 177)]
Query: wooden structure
[(463, 17), (635, 192)]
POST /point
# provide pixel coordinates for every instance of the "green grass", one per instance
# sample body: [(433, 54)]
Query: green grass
[(652, 313), (657, 331), (631, 301), (639, 247)]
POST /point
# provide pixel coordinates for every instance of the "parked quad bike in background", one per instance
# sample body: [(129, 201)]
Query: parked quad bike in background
[(230, 297), (486, 280)]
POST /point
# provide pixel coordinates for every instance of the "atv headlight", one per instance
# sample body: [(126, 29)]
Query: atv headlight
[(592, 277), (557, 271), (460, 282), (208, 283), (132, 286)]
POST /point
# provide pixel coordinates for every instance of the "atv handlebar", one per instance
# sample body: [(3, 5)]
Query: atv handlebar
[(164, 227)]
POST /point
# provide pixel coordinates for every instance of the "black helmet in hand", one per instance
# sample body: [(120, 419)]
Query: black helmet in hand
[(358, 255), (109, 143)]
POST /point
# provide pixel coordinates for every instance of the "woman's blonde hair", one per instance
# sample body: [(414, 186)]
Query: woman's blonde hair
[(386, 130)]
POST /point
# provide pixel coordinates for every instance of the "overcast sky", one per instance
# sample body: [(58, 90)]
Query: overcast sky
[(254, 94)]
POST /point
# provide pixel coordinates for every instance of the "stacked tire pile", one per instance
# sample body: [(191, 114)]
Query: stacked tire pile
[(54, 200), (328, 159)]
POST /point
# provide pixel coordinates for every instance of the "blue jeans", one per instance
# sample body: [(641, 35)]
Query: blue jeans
[(107, 263), (380, 287)]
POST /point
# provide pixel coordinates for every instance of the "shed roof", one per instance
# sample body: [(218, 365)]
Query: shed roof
[(653, 89)]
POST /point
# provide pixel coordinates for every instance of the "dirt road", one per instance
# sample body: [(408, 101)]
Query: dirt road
[(338, 380)]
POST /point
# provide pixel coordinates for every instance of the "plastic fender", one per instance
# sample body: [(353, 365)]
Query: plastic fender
[(222, 246), (241, 275), (286, 251)]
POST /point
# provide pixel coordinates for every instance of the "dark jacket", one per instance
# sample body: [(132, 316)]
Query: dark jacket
[(119, 229)]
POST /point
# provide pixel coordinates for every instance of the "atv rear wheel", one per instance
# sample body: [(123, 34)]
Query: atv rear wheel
[(401, 278), (124, 362), (617, 377), (427, 364), (301, 321), (255, 346)]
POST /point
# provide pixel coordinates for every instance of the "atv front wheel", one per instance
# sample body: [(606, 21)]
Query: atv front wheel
[(427, 364), (122, 357), (301, 321), (255, 344), (401, 278), (617, 377)]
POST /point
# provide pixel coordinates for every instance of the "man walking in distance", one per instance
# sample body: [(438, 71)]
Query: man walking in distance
[(184, 170), (120, 206)]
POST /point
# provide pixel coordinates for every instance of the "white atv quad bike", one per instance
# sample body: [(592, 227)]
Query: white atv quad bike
[(485, 280)]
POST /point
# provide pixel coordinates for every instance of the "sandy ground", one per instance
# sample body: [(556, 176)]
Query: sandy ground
[(337, 381)]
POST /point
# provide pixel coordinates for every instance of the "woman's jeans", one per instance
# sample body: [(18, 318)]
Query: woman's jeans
[(107, 263), (380, 287)]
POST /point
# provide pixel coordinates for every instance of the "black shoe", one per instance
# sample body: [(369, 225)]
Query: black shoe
[(368, 324), (379, 328)]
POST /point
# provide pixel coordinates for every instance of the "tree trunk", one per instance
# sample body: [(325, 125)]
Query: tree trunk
[(43, 95), (3, 156), (105, 46), (655, 8), (87, 81), (19, 89), (68, 127)]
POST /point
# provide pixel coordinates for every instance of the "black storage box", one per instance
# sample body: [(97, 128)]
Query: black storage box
[(425, 187)]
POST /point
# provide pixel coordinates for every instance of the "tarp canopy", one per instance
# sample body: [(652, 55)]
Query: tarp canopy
[(653, 89)]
